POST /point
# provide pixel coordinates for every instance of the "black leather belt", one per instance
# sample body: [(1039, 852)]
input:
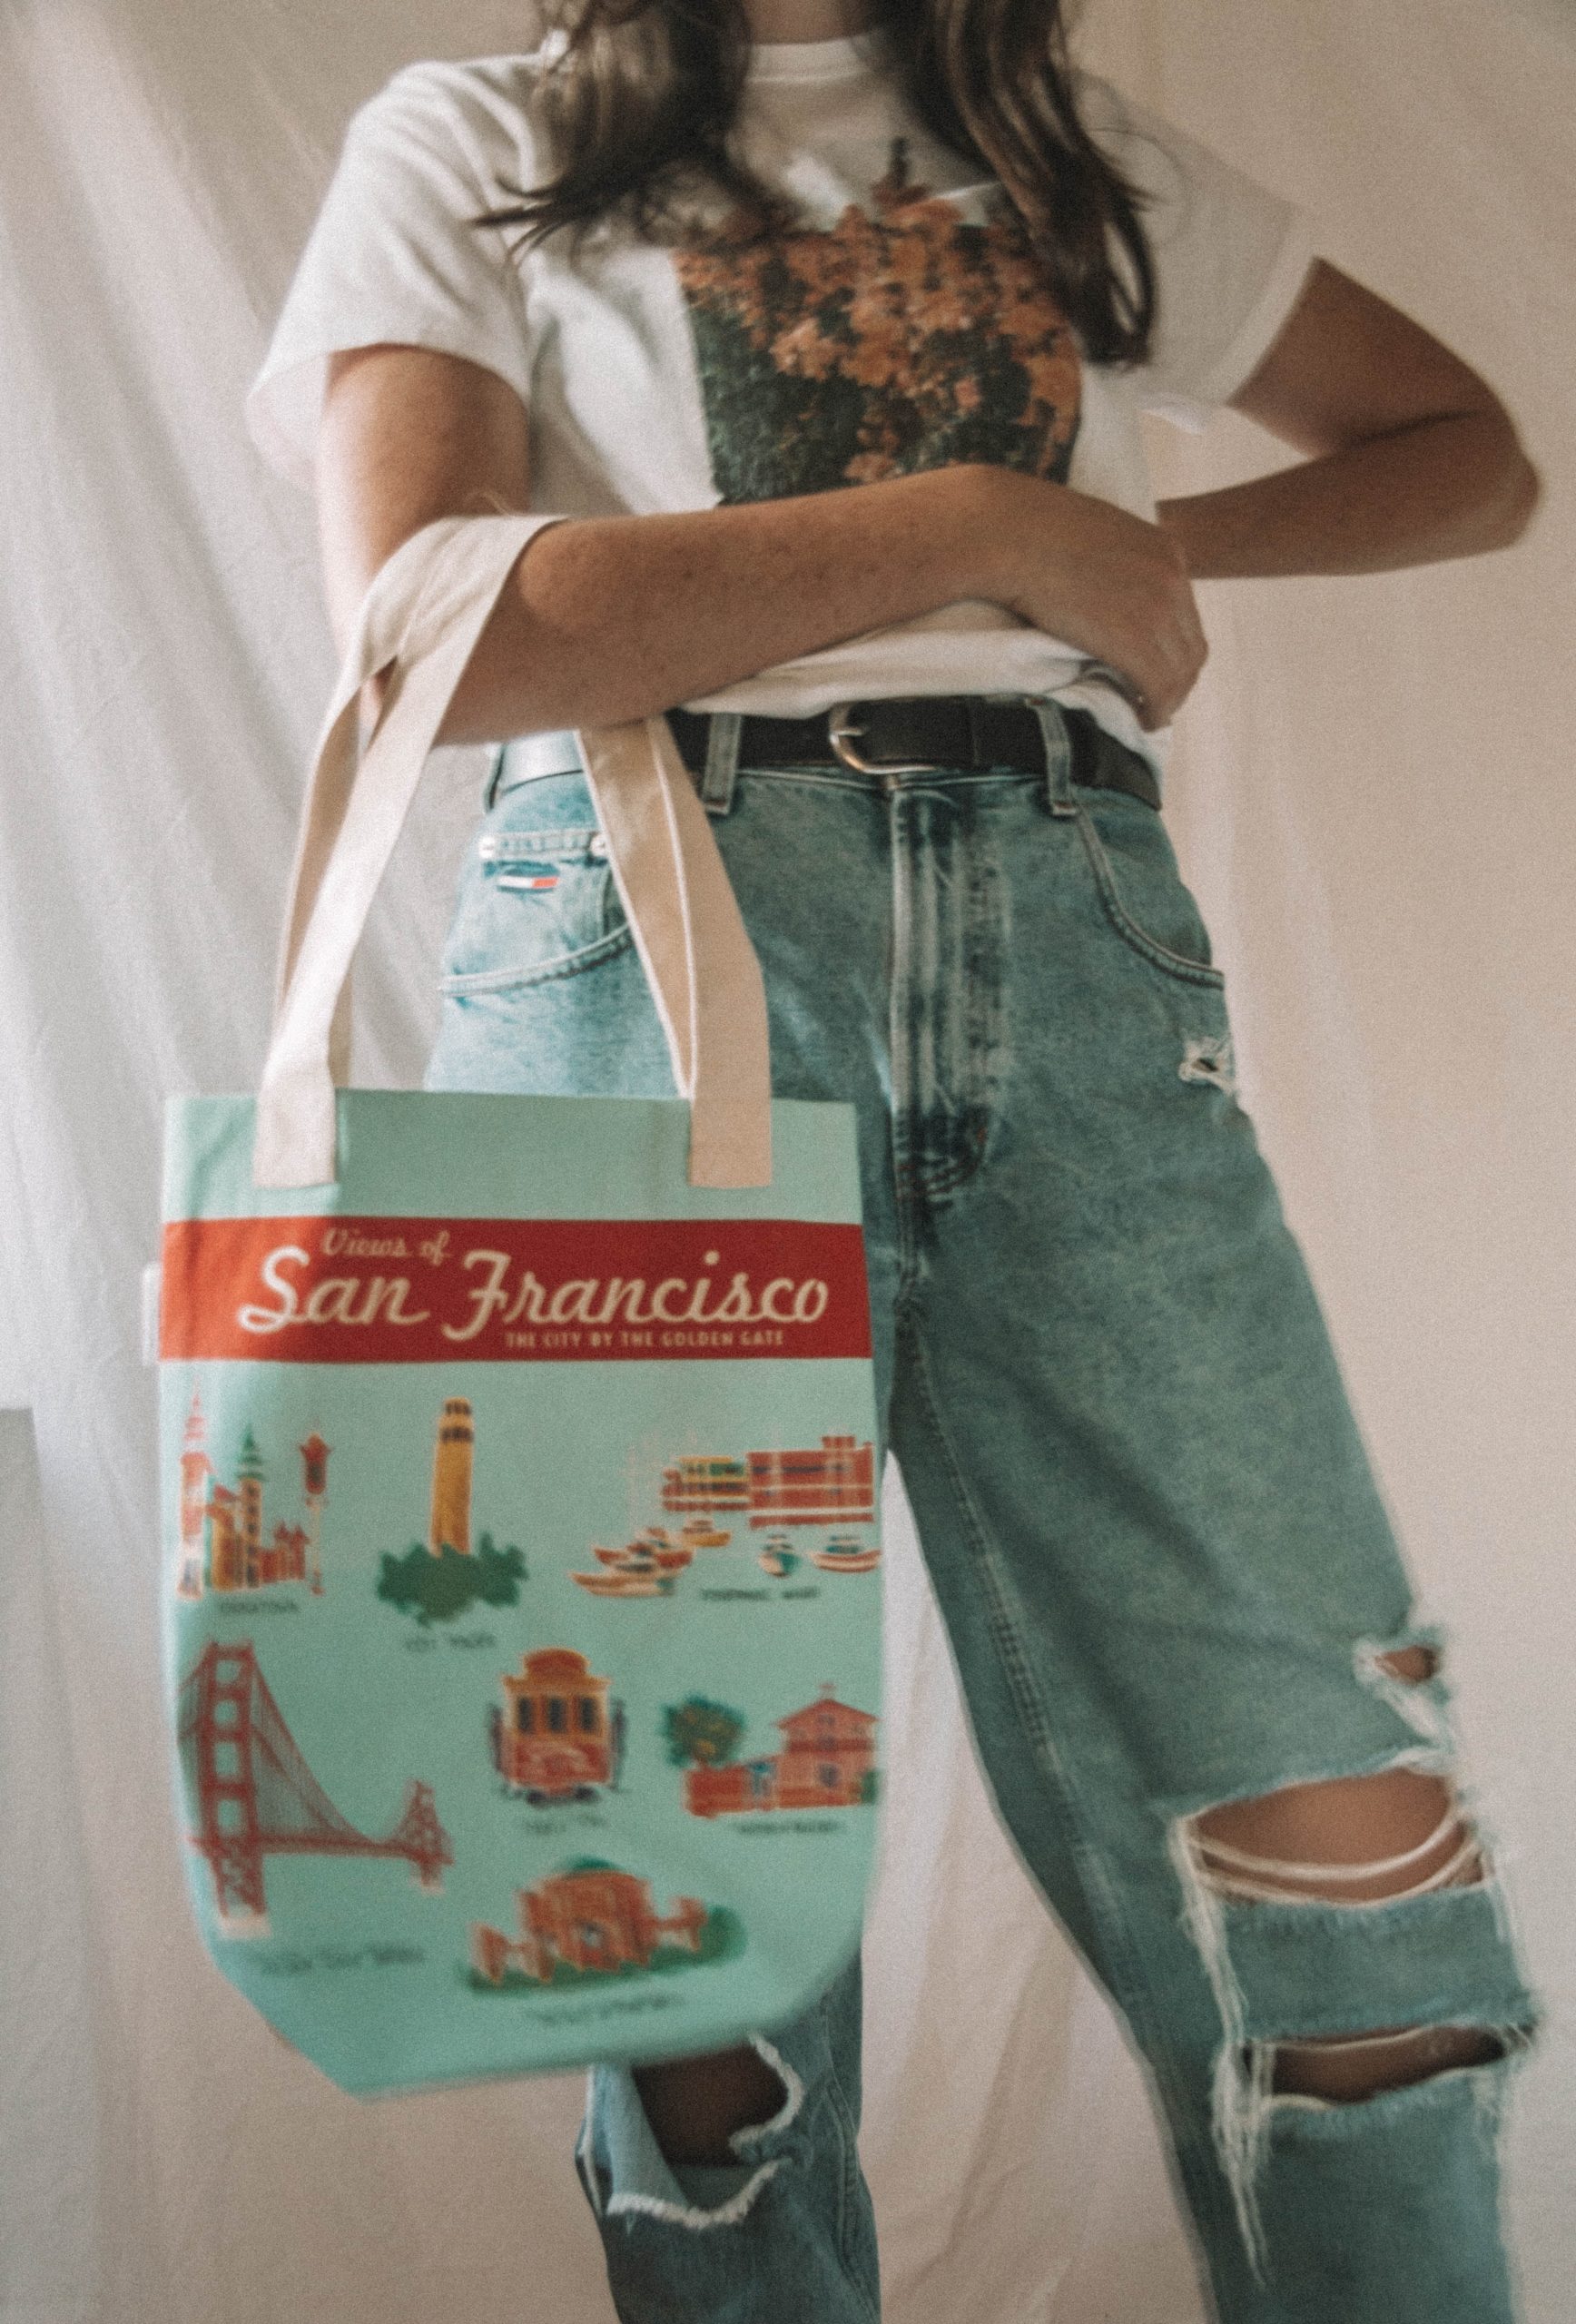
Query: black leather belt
[(899, 734)]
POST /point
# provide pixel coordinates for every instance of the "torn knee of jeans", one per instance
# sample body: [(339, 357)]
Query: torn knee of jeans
[(1208, 1059), (1343, 2069), (1326, 1912), (1413, 1663), (723, 2194), (743, 2141), (711, 2195), (698, 2109), (1406, 1672), (644, 2182), (1438, 1844)]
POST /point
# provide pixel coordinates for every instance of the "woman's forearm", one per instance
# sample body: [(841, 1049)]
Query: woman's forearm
[(613, 618), (608, 618), (1441, 488)]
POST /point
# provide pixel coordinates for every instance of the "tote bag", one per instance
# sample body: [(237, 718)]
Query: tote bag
[(521, 1586)]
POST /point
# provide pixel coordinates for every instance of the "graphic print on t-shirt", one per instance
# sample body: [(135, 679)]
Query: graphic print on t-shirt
[(879, 346)]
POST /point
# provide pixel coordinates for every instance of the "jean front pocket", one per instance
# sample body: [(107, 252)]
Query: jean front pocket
[(1142, 892), (533, 905)]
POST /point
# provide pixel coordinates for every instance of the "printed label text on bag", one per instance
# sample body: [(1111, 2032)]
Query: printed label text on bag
[(330, 1289)]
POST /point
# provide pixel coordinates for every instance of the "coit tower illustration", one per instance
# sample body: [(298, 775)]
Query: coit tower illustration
[(451, 1478)]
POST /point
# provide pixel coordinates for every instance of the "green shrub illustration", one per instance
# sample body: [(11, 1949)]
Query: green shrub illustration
[(701, 1734), (435, 1589)]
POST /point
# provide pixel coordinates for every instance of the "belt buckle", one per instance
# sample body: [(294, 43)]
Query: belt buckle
[(840, 727)]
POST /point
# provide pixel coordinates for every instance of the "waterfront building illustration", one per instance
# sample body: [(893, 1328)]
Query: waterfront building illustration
[(703, 1482), (829, 1483), (827, 1760), (222, 1545), (559, 1736), (591, 1917), (451, 1471)]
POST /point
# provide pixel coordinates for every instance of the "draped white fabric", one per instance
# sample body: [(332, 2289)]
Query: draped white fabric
[(1372, 788)]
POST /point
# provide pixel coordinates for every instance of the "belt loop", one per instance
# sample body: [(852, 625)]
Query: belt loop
[(1058, 742), (722, 765), (491, 787)]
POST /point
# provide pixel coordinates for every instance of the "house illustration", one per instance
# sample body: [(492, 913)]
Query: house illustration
[(827, 1760)]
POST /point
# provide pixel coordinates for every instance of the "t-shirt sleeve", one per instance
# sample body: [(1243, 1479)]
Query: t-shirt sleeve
[(1230, 257), (392, 256)]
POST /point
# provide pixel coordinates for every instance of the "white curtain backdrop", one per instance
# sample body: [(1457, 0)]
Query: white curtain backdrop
[(1373, 792)]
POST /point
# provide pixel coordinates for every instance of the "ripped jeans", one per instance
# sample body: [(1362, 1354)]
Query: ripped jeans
[(1168, 1576)]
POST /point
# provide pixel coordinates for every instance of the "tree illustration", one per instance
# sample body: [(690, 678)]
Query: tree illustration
[(435, 1589), (499, 1572), (701, 1734)]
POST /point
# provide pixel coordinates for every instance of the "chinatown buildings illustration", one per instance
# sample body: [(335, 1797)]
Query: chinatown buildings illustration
[(560, 1736), (592, 1917), (222, 1546), (830, 1483), (451, 1468), (827, 1760)]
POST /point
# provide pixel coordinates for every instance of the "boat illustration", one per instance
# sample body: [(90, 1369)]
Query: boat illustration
[(777, 1559), (846, 1553), (701, 1534), (625, 1584), (654, 1542), (671, 1555), (643, 1568)]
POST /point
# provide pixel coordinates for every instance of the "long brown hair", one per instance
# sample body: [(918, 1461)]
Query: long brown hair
[(638, 99)]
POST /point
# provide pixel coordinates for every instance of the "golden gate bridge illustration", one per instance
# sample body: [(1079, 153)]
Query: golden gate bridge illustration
[(255, 1795)]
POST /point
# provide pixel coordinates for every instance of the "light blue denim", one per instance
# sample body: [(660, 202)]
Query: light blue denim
[(1151, 1526)]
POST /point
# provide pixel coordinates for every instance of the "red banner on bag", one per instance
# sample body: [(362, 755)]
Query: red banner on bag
[(336, 1290)]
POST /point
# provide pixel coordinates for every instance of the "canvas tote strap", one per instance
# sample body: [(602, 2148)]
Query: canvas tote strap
[(420, 622)]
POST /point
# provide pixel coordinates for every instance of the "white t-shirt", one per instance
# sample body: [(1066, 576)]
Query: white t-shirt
[(905, 326)]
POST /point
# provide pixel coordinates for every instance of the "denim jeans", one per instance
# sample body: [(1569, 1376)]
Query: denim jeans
[(1151, 1527)]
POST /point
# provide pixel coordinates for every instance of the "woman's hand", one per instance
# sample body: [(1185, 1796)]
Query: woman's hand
[(1109, 583)]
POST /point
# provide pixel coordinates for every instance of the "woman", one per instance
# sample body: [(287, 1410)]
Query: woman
[(826, 326)]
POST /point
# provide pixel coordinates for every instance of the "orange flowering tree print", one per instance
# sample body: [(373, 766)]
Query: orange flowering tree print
[(889, 342)]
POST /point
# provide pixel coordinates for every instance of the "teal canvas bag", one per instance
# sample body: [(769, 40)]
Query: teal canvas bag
[(521, 1573)]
